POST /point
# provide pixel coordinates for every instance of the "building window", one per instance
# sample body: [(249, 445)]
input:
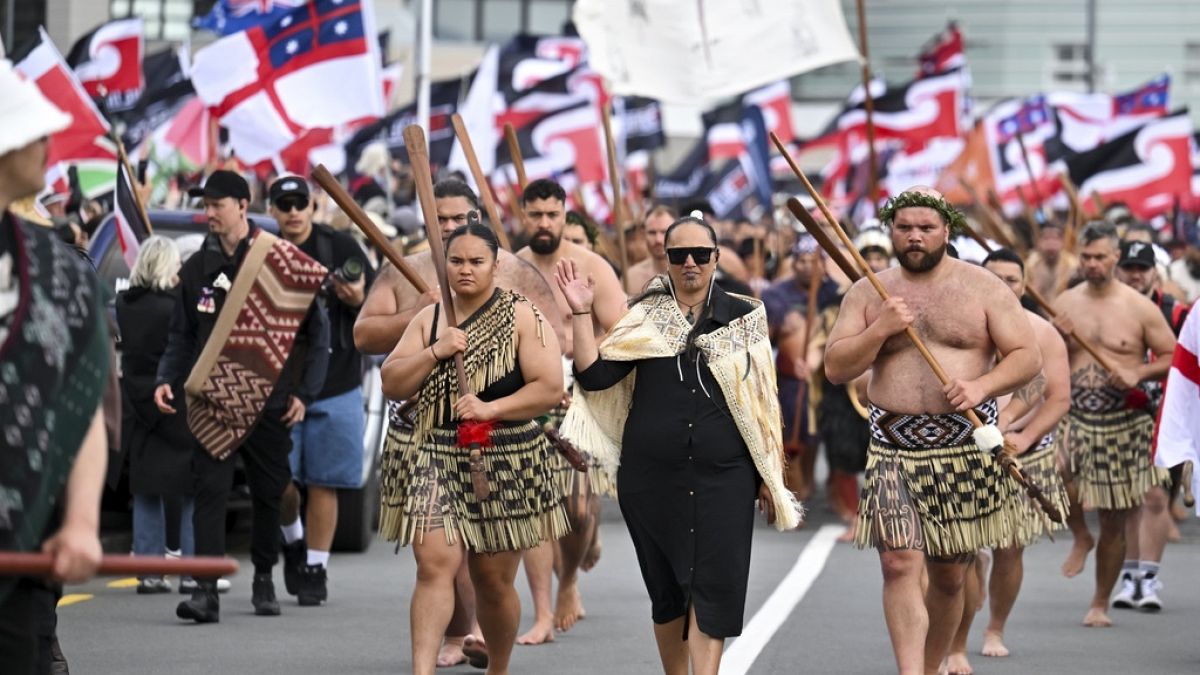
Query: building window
[(1070, 64), (1191, 63), (165, 19), (498, 20)]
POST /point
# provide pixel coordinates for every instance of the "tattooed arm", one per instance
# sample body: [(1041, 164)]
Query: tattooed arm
[(1023, 400), (1055, 395)]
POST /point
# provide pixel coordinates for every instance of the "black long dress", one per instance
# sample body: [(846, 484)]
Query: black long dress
[(686, 484)]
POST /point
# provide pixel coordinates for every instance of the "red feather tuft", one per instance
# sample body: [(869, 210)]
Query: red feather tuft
[(1136, 399), (475, 434)]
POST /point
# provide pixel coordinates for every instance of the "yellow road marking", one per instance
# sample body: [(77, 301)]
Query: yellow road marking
[(72, 598), (131, 582)]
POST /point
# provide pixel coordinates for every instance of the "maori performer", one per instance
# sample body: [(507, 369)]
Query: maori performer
[(391, 304), (513, 363), (675, 395), (54, 353), (1028, 419), (241, 393), (1149, 526), (544, 207), (1050, 267), (1109, 430), (932, 497)]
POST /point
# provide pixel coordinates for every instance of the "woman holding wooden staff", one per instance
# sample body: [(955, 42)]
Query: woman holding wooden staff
[(511, 359)]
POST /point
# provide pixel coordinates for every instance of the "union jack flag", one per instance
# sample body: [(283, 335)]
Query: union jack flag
[(233, 16)]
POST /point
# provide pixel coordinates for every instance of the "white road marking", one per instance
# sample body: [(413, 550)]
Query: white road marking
[(745, 649)]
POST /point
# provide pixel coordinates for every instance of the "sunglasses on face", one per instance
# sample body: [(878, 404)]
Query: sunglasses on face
[(700, 254), (286, 204)]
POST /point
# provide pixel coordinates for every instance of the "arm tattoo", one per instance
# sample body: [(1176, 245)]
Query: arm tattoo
[(1032, 392)]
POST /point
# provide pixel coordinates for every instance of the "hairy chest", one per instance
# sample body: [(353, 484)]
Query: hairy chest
[(950, 317)]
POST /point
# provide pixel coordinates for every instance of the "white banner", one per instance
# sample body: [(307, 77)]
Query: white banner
[(688, 51)]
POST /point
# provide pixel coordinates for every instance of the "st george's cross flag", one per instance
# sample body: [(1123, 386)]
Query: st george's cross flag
[(316, 67), (1179, 418)]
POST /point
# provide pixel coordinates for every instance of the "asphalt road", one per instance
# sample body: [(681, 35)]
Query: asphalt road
[(835, 627)]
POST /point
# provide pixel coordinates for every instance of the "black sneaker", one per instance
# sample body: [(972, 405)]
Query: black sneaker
[(263, 597), (312, 586), (295, 557), (205, 605)]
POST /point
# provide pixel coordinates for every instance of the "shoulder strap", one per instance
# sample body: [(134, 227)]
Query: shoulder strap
[(433, 326)]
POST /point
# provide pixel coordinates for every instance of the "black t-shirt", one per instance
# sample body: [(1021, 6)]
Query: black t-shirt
[(332, 249)]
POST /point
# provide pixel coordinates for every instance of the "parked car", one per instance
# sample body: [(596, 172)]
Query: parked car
[(358, 510)]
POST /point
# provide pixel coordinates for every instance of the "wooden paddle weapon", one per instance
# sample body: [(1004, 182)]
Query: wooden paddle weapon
[(514, 151), (42, 565), (1003, 453), (485, 189), (472, 435)]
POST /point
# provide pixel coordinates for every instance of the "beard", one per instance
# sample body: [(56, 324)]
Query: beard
[(544, 243), (927, 261)]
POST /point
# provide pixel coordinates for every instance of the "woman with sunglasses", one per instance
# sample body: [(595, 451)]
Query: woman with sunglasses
[(684, 384)]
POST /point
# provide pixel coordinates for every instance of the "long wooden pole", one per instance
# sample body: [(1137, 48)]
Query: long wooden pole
[(359, 217), (42, 565), (1045, 305), (868, 105), (137, 198), (814, 228), (620, 218), (485, 191), (1075, 217), (1003, 456), (514, 151), (1033, 188), (989, 216)]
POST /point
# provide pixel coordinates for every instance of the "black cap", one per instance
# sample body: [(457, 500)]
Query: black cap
[(222, 183), (287, 185), (1136, 253)]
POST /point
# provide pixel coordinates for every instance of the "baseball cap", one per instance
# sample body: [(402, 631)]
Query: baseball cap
[(287, 185), (1136, 253), (223, 183)]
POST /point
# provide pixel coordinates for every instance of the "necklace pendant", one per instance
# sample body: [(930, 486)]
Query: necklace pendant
[(690, 319)]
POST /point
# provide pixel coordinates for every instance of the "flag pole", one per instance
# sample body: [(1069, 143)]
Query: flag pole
[(424, 53), (1037, 197), (869, 105), (514, 150), (485, 192), (618, 205), (133, 182)]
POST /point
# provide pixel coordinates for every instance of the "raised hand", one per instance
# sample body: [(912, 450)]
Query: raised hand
[(578, 290)]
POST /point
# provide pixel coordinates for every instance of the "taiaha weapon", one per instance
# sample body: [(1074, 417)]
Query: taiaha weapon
[(869, 106), (1045, 305), (1003, 451), (473, 435), (514, 151), (485, 191), (42, 565), (990, 217), (1075, 214), (619, 217)]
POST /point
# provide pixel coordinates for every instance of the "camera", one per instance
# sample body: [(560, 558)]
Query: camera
[(350, 272)]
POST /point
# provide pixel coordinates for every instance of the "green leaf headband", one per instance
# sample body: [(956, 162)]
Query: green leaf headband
[(905, 200)]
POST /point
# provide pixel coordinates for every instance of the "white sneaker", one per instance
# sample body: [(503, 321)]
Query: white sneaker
[(188, 585), (1150, 602), (1131, 591)]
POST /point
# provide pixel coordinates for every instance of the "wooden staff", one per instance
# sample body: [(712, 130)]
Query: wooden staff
[(514, 201), (1037, 197), (868, 105), (614, 177), (1074, 215), (346, 203), (1098, 202), (485, 192), (418, 158), (514, 151), (1041, 301), (814, 228), (990, 217), (1005, 455), (42, 565), (137, 198)]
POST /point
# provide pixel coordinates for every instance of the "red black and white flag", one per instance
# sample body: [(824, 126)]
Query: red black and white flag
[(558, 131), (1147, 169), (132, 229), (108, 62), (943, 52)]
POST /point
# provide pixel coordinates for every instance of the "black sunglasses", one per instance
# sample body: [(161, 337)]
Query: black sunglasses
[(701, 254), (291, 203)]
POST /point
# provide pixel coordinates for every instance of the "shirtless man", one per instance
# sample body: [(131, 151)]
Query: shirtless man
[(390, 305), (1049, 267), (1108, 431), (544, 203), (920, 439), (1028, 420), (657, 222)]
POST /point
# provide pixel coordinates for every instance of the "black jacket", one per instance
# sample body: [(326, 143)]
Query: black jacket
[(304, 373)]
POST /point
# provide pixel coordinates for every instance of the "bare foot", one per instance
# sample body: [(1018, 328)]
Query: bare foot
[(982, 562), (593, 553), (451, 653), (568, 609), (850, 534), (476, 651), (957, 664), (993, 644), (1077, 558), (1097, 617), (541, 633)]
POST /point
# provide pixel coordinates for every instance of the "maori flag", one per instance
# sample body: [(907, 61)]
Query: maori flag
[(1148, 168), (558, 129), (943, 52), (132, 229), (108, 62), (168, 89)]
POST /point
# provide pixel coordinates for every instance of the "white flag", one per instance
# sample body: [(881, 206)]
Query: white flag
[(687, 51), (1179, 419)]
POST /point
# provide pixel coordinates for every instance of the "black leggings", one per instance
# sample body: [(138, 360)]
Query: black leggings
[(27, 624)]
